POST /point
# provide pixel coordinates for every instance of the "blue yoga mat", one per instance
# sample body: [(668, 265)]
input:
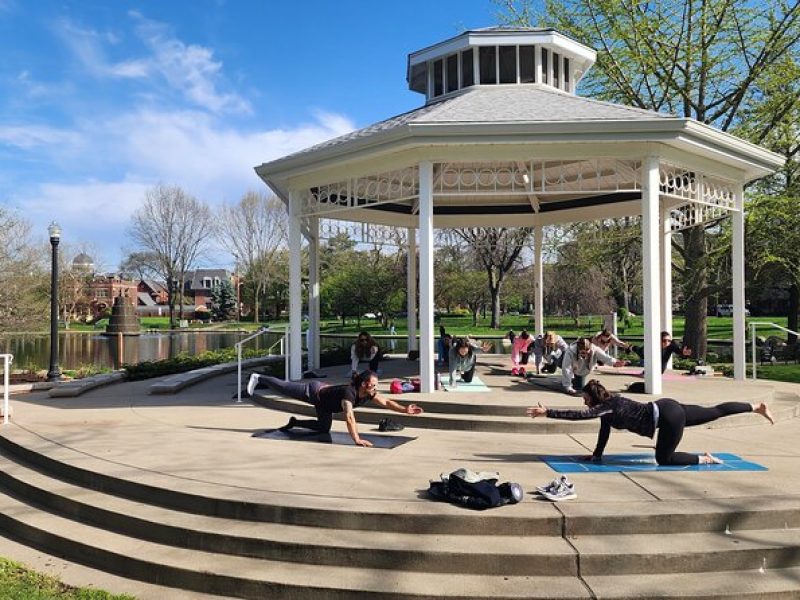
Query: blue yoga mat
[(618, 463), (476, 385)]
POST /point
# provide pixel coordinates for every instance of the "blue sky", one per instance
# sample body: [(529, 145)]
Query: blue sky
[(102, 99)]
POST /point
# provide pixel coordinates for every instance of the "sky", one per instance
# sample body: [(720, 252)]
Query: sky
[(100, 100)]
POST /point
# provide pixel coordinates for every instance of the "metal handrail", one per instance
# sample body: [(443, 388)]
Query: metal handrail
[(7, 360), (753, 337), (238, 346)]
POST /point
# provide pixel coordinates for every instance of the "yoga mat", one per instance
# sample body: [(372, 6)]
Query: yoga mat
[(334, 437), (639, 373), (476, 385), (625, 463), (548, 383)]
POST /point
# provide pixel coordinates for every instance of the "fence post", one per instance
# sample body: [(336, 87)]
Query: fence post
[(7, 360)]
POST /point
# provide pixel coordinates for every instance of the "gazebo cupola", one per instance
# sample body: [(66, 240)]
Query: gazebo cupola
[(498, 56)]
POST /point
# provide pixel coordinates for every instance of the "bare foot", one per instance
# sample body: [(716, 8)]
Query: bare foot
[(763, 410), (710, 459)]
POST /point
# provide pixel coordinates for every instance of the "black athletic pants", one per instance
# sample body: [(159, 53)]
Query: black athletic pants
[(307, 392), (673, 417)]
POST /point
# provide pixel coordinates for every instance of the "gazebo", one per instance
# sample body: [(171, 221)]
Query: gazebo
[(503, 140)]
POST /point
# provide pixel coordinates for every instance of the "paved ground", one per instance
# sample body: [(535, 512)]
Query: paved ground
[(204, 437), (201, 440)]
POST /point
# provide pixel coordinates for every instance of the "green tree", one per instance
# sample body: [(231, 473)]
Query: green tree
[(773, 234), (223, 301), (712, 60)]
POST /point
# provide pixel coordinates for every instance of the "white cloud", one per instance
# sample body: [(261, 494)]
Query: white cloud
[(190, 69), (28, 137), (88, 46), (188, 149)]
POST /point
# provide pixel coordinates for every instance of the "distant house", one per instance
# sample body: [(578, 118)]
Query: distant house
[(152, 292), (102, 290), (200, 283)]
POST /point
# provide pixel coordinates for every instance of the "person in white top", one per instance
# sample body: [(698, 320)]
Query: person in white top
[(579, 360), (548, 352)]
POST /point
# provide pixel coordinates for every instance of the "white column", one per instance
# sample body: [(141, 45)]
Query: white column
[(295, 291), (737, 266), (538, 281), (426, 335), (412, 289), (666, 273), (313, 293), (651, 275)]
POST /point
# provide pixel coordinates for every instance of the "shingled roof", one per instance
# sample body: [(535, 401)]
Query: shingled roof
[(500, 104)]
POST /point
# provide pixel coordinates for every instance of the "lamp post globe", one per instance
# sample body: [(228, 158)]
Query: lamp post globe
[(54, 373)]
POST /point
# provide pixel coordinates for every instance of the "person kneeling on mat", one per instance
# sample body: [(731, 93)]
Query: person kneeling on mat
[(330, 399), (667, 415)]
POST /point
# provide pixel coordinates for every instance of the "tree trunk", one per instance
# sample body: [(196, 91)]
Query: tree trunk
[(794, 308), (695, 291)]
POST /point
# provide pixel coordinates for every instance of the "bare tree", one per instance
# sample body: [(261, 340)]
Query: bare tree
[(23, 294), (174, 226), (254, 232), (496, 250)]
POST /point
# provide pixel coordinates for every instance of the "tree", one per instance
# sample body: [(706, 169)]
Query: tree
[(223, 301), (139, 266), (712, 60), (468, 288), (773, 233), (24, 294), (174, 227), (496, 250), (254, 232)]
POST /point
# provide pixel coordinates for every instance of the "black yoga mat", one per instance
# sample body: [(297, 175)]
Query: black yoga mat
[(334, 437)]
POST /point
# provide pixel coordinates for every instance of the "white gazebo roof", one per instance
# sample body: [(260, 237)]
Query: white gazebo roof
[(543, 156)]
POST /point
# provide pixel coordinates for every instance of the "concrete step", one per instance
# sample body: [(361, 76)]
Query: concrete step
[(486, 423), (246, 577), (523, 553), (504, 418), (762, 584), (254, 578), (80, 576), (508, 554)]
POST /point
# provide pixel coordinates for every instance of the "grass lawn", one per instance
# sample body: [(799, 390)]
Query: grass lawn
[(789, 373), (19, 583), (718, 327)]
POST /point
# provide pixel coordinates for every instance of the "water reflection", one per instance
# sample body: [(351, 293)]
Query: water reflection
[(32, 351)]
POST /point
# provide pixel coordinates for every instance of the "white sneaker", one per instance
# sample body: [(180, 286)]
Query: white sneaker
[(553, 485), (252, 383), (562, 492)]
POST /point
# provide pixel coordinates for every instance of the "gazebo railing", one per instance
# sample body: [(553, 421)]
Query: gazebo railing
[(282, 343), (7, 360), (753, 325)]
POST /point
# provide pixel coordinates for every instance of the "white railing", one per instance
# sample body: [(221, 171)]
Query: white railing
[(283, 345), (753, 338), (7, 360)]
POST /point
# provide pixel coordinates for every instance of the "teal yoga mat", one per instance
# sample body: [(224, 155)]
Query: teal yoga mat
[(619, 463), (476, 385)]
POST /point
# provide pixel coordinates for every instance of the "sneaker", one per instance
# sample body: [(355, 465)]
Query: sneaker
[(292, 422), (562, 492), (389, 425), (553, 485), (522, 371), (515, 371), (251, 384)]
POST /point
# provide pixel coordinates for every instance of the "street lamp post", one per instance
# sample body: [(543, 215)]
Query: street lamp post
[(54, 374)]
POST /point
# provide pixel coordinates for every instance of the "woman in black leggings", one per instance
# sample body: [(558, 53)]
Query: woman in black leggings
[(667, 415), (328, 400)]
